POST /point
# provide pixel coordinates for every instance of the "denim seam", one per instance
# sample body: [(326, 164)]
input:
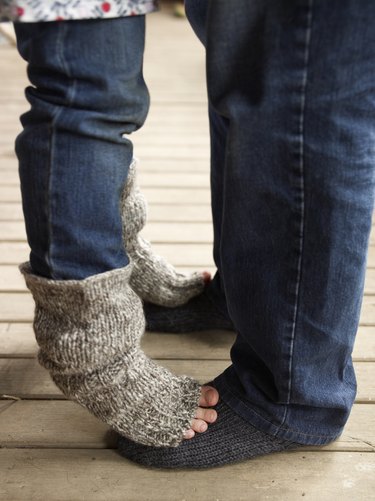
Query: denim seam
[(279, 427), (60, 39), (302, 192)]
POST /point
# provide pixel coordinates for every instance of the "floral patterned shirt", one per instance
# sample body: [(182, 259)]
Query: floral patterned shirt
[(58, 10)]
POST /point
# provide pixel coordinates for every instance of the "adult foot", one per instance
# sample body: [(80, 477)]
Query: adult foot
[(230, 439), (198, 314)]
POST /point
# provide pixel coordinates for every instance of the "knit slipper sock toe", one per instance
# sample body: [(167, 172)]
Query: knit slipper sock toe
[(230, 439), (198, 314)]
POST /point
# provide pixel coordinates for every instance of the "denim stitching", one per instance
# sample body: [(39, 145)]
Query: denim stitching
[(302, 192), (60, 39), (279, 427)]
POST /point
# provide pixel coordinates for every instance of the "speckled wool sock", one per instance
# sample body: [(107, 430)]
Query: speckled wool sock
[(153, 278), (198, 314), (230, 439), (89, 333)]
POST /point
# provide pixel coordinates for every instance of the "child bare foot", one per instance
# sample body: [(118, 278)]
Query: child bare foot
[(204, 416)]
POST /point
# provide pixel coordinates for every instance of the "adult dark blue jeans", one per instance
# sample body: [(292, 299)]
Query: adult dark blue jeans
[(87, 92), (292, 96)]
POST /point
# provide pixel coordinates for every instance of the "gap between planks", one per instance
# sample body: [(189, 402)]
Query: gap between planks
[(65, 424), (26, 379), (18, 341), (19, 307)]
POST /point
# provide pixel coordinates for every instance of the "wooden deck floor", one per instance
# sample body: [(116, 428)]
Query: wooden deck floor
[(51, 449)]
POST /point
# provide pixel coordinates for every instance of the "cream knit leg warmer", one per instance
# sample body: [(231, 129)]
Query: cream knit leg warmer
[(153, 278), (89, 335)]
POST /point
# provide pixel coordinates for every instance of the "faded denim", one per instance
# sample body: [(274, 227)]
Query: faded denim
[(292, 96), (86, 92)]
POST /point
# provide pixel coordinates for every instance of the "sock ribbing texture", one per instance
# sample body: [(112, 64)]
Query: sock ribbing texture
[(153, 278), (230, 439), (88, 332), (198, 314)]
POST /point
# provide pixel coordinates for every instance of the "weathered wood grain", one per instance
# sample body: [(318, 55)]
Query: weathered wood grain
[(64, 475), (24, 378)]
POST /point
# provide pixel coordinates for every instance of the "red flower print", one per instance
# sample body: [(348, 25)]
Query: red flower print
[(106, 6)]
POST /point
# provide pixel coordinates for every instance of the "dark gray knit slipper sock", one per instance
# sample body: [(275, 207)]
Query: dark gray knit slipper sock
[(198, 314), (230, 439)]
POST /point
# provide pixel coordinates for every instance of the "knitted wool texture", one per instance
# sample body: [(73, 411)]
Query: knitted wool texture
[(229, 440), (198, 314), (88, 332), (153, 278)]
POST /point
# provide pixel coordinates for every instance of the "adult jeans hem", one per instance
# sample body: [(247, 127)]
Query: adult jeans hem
[(243, 409)]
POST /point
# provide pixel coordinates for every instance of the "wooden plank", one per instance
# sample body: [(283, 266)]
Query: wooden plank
[(12, 231), (174, 179), (63, 475), (7, 30), (371, 257), (24, 378), (359, 432), (148, 137), (370, 281), (11, 279), (368, 311), (10, 194), (178, 147), (7, 163), (13, 252), (65, 424), (176, 152), (18, 307), (186, 254), (17, 341), (179, 232), (182, 214), (364, 346), (11, 211), (9, 177), (4, 405), (174, 196), (170, 165), (53, 424)]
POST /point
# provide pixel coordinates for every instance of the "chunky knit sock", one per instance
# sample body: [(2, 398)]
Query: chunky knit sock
[(153, 278), (198, 314), (89, 333), (230, 439)]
